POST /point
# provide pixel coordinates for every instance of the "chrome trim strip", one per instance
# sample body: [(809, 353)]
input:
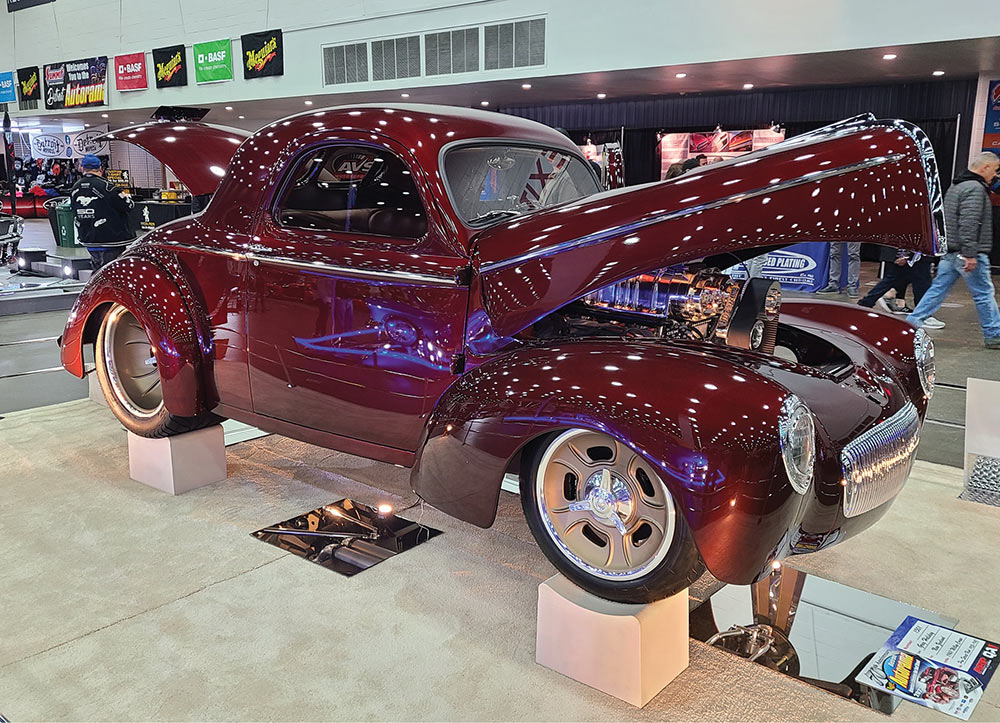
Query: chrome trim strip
[(399, 276), (625, 229), (235, 255)]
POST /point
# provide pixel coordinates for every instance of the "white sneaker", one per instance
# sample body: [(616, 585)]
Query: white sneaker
[(931, 323), (884, 305)]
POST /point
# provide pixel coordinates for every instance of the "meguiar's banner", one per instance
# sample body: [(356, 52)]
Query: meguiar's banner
[(263, 54), (213, 61), (29, 86), (130, 72), (170, 67), (76, 83)]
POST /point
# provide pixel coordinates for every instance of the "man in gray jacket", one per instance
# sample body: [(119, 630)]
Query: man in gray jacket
[(968, 217)]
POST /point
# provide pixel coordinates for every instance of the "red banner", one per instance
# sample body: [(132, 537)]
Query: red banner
[(130, 72)]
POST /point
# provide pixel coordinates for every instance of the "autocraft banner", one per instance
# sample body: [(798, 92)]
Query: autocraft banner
[(76, 83), (170, 67), (213, 61), (263, 54), (13, 5), (69, 145), (130, 72), (8, 93), (932, 666), (29, 86)]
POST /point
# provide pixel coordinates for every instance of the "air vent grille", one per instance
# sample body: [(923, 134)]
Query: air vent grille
[(345, 64), (398, 58), (515, 45), (453, 51)]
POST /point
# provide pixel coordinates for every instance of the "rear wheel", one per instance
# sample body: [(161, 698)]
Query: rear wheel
[(130, 379), (604, 518)]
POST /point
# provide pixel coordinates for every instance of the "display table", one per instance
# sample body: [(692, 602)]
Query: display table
[(149, 214)]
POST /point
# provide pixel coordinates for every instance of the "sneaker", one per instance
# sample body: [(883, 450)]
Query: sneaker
[(902, 310), (931, 323), (993, 343), (829, 289), (885, 306), (852, 293)]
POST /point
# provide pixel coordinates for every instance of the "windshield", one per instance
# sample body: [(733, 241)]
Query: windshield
[(492, 182)]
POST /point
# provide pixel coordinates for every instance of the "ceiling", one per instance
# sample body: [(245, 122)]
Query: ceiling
[(956, 59)]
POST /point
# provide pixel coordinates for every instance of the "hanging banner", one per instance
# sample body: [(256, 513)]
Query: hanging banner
[(76, 84), (263, 54), (13, 5), (8, 94), (69, 145), (28, 85), (213, 61), (130, 72), (170, 67), (799, 267)]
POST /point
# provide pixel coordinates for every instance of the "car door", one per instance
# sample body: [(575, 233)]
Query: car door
[(355, 308)]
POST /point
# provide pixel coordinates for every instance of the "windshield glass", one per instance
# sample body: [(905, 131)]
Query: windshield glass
[(491, 182)]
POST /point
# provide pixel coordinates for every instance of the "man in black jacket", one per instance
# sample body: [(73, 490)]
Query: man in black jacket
[(968, 216), (101, 212)]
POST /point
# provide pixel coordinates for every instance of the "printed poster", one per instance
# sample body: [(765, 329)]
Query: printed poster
[(170, 67), (932, 666), (263, 54), (76, 83), (28, 84), (8, 91), (130, 72), (213, 61)]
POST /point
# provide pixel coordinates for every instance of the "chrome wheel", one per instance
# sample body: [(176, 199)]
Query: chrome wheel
[(606, 509), (131, 365)]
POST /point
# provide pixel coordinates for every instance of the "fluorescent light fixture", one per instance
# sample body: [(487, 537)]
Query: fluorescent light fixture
[(241, 117), (484, 103), (747, 86), (526, 86), (308, 102), (602, 96), (889, 56), (229, 107), (680, 75), (104, 115), (938, 73), (404, 95)]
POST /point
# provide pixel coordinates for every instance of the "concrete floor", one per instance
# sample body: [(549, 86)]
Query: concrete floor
[(121, 603)]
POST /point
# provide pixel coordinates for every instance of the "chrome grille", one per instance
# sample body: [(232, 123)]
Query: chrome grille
[(877, 463)]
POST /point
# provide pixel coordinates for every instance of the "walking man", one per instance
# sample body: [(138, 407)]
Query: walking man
[(101, 213), (968, 218)]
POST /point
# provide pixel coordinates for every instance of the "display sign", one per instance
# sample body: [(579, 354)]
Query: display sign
[(799, 267), (118, 177), (170, 67), (76, 84), (69, 145), (932, 666), (13, 5), (213, 61), (130, 72), (28, 86), (263, 54), (8, 93)]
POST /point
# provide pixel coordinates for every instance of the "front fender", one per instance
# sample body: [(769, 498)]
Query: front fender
[(181, 346), (709, 425)]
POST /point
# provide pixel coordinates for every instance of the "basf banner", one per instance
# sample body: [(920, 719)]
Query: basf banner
[(69, 145), (263, 54), (130, 72), (76, 84), (29, 87), (13, 5), (213, 61), (8, 93), (169, 67)]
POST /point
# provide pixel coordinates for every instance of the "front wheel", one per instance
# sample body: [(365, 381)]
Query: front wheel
[(130, 379), (604, 518)]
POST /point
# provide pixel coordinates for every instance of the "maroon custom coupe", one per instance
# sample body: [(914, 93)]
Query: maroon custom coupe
[(450, 290)]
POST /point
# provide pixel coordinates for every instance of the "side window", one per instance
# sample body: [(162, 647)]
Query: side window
[(353, 189)]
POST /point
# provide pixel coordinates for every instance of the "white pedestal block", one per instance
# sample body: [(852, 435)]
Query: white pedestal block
[(95, 392), (179, 464), (629, 651)]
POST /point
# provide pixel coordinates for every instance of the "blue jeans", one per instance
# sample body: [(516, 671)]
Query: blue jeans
[(980, 284)]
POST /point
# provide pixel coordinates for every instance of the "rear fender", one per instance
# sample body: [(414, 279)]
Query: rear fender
[(709, 426), (181, 346)]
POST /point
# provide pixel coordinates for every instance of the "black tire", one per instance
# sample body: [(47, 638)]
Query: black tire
[(669, 572), (117, 352)]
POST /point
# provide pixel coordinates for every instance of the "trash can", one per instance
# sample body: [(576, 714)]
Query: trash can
[(65, 225)]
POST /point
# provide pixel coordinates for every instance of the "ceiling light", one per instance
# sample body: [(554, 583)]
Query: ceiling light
[(229, 107), (104, 115), (241, 117), (681, 75), (308, 102), (602, 96), (889, 56), (404, 95), (747, 86), (938, 73), (484, 103), (526, 86)]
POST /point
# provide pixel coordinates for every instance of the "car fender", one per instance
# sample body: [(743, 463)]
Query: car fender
[(709, 426), (165, 307)]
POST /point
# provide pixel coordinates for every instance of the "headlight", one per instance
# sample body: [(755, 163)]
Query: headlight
[(798, 442), (923, 350)]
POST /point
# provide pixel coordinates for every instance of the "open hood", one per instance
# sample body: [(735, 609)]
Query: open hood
[(858, 180), (197, 153)]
